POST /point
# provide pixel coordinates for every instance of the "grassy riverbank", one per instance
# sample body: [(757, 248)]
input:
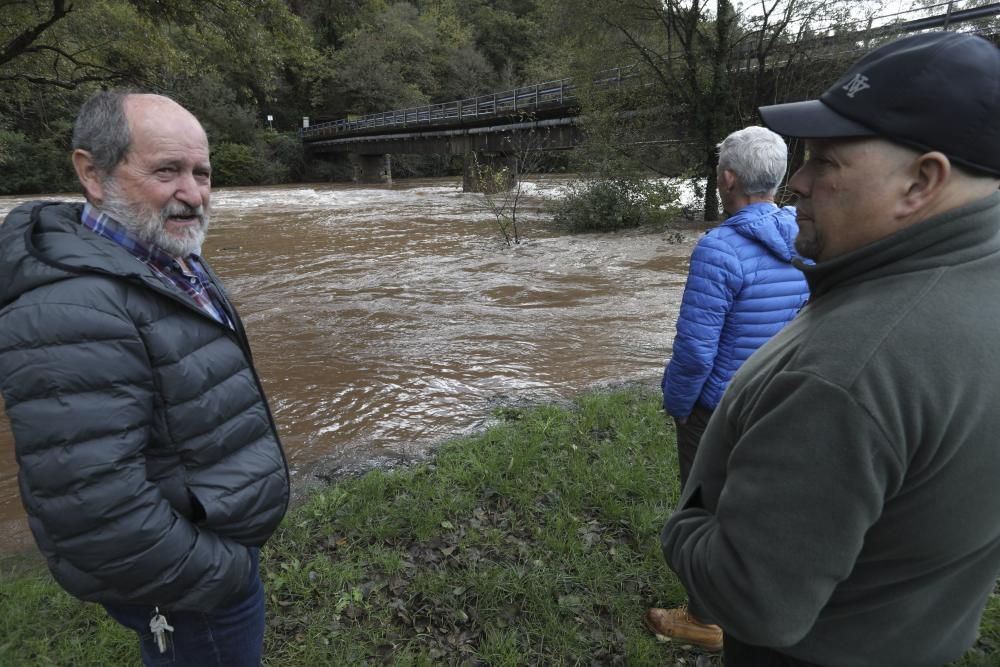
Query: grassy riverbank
[(533, 543)]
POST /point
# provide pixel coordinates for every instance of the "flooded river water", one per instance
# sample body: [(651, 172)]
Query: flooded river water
[(384, 319)]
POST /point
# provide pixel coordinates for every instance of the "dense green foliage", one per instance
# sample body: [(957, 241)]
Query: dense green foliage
[(616, 202), (36, 165), (534, 543), (694, 70), (236, 62)]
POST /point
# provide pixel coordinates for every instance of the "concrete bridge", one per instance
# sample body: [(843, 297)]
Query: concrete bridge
[(492, 129)]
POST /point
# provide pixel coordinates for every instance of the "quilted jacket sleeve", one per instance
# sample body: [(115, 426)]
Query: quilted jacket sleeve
[(713, 281), (80, 399)]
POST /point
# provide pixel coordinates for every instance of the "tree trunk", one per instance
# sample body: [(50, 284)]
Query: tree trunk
[(715, 120), (711, 185)]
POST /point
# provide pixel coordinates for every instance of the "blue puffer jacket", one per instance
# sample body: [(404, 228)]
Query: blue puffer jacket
[(741, 290)]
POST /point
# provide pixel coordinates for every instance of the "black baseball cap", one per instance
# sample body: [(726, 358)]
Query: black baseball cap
[(936, 91)]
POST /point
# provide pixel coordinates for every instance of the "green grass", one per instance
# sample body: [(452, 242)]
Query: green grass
[(536, 542)]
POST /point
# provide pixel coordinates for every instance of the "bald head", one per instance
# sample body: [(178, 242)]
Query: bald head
[(106, 122), (147, 114)]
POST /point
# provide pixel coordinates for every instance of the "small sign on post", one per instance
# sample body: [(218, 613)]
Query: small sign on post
[(305, 122), (269, 119)]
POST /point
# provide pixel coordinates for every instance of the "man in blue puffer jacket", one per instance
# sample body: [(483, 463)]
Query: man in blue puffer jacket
[(741, 290)]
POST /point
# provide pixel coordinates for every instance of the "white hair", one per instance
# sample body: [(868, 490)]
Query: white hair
[(757, 156)]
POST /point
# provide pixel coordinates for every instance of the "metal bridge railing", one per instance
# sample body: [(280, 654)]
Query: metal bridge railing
[(506, 103)]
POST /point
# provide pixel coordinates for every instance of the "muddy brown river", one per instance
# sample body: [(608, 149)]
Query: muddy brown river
[(385, 319)]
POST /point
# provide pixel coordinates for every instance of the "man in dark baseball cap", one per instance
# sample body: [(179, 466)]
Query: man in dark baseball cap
[(842, 508), (937, 91)]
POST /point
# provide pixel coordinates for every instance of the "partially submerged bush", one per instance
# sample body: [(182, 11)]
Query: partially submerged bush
[(610, 204), (272, 157)]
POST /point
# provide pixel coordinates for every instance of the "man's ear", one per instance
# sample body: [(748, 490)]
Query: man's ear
[(928, 175), (727, 178), (90, 176)]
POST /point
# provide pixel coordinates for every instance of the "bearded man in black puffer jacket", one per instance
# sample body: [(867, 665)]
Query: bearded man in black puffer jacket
[(149, 463)]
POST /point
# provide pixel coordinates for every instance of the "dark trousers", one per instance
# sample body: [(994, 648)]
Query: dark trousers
[(230, 636), (738, 654), (688, 436)]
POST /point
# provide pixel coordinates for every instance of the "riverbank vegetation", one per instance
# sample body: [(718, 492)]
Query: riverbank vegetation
[(685, 73), (613, 203), (534, 543)]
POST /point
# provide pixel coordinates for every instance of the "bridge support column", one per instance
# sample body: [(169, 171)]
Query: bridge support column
[(489, 172), (372, 168)]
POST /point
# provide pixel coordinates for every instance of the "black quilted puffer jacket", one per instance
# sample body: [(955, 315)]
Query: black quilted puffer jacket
[(148, 457)]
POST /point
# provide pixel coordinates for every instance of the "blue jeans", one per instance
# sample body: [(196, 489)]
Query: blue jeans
[(230, 636)]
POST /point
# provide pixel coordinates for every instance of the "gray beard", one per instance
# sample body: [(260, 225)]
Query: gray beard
[(149, 225)]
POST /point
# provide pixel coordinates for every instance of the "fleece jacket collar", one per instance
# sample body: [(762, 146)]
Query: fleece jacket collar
[(954, 237)]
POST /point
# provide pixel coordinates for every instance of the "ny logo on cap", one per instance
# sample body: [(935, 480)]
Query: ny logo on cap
[(856, 85)]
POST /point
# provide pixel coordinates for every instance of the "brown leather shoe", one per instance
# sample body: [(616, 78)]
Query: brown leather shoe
[(679, 625)]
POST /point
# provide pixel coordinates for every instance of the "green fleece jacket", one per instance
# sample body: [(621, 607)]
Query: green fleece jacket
[(844, 506)]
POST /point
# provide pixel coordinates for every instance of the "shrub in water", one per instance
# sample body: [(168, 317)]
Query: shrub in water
[(620, 202)]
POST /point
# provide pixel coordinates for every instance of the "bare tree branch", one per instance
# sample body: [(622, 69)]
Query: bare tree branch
[(26, 38), (69, 84)]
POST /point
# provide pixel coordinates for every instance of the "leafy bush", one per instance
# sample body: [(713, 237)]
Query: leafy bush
[(286, 159), (271, 158), (236, 164), (614, 203), (33, 166)]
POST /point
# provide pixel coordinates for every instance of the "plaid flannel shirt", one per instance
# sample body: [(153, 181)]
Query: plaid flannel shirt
[(196, 284)]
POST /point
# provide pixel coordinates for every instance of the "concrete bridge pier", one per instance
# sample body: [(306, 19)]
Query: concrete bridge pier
[(372, 168), (489, 172)]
